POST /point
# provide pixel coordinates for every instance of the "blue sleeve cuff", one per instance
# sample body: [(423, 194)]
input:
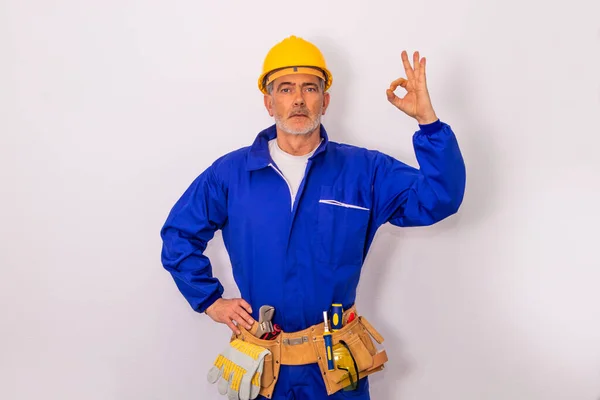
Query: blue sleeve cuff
[(209, 302), (431, 128)]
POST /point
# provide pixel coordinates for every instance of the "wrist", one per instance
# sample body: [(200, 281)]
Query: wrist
[(209, 304), (430, 119)]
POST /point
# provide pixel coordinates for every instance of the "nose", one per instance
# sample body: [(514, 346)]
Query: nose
[(299, 100)]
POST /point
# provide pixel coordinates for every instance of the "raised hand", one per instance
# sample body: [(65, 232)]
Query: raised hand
[(416, 102)]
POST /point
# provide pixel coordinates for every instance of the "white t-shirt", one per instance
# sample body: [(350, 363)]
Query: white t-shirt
[(292, 167)]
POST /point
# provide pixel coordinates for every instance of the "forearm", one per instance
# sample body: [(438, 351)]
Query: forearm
[(441, 165), (406, 196), (192, 273), (191, 224)]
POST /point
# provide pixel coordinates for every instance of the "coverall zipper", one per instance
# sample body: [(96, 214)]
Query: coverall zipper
[(288, 185)]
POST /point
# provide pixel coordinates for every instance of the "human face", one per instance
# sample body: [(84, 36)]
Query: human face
[(297, 103)]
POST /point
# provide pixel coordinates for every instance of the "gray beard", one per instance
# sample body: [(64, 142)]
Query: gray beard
[(282, 125)]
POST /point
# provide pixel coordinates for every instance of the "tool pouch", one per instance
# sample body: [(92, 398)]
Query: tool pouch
[(358, 335)]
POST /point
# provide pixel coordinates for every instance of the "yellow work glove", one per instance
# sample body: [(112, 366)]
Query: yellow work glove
[(239, 368)]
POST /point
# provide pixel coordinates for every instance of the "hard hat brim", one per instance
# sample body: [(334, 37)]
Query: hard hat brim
[(270, 76)]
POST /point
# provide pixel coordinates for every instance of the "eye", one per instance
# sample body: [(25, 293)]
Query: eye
[(311, 89), (285, 90)]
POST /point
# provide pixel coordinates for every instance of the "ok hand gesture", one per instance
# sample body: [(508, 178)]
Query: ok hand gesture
[(416, 102)]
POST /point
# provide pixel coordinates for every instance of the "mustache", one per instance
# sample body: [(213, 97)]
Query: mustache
[(299, 111)]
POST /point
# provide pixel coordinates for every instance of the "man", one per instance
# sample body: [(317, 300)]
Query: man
[(298, 212)]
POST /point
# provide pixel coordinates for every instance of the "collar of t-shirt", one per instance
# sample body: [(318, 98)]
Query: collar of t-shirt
[(292, 167)]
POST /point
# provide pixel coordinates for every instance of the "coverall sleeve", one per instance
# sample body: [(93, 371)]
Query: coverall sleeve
[(192, 222), (406, 196)]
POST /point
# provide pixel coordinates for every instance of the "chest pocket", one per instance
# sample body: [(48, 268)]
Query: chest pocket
[(343, 218)]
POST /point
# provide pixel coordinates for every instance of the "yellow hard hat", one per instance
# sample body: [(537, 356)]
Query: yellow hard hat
[(293, 55)]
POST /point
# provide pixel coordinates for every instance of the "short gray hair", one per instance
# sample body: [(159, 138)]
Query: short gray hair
[(270, 86)]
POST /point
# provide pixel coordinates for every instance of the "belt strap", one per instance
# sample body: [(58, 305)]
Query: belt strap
[(296, 348)]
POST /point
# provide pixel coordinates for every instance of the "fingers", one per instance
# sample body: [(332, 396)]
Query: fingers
[(243, 311), (235, 319), (390, 94), (239, 314), (392, 98), (407, 68), (244, 317), (398, 82), (232, 326), (245, 304), (232, 313), (417, 64)]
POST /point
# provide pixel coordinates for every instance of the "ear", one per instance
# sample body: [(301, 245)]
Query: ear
[(326, 98), (269, 104)]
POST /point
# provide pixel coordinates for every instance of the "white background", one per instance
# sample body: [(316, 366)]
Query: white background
[(108, 111)]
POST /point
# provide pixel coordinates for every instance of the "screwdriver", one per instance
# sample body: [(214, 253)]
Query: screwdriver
[(328, 343), (337, 311)]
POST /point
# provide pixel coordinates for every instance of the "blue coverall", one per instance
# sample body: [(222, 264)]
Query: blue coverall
[(301, 259)]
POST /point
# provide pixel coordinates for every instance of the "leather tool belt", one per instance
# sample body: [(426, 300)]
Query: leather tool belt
[(308, 347)]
